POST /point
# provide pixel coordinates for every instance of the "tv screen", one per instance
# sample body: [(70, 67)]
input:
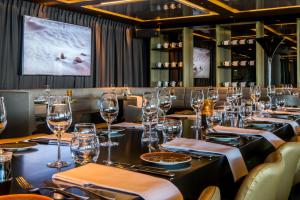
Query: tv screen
[(201, 62), (55, 48)]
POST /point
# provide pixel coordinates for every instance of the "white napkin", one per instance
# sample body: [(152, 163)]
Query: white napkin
[(66, 137), (272, 138), (282, 112), (294, 124), (233, 155), (148, 187), (128, 125), (180, 116)]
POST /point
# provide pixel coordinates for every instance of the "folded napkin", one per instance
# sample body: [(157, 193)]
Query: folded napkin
[(282, 112), (294, 124), (128, 125), (233, 155), (66, 137), (180, 116), (272, 138), (148, 187)]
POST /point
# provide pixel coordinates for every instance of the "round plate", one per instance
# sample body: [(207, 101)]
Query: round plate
[(223, 137), (261, 124), (165, 158), (18, 146)]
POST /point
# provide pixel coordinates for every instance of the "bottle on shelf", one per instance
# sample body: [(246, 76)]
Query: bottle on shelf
[(242, 41), (234, 42), (251, 62)]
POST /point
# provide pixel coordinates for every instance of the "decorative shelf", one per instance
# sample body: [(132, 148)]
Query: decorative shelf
[(168, 49), (237, 67), (239, 45), (165, 68)]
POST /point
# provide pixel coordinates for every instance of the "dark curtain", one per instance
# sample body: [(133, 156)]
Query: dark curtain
[(117, 57)]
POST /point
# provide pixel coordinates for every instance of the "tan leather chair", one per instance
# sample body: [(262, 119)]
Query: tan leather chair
[(263, 180), (290, 153), (210, 193)]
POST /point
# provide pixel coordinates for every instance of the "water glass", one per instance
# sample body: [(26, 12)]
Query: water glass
[(109, 109), (215, 119), (85, 128), (5, 166), (172, 129), (59, 119)]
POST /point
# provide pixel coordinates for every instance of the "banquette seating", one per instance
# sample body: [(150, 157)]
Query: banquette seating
[(21, 109)]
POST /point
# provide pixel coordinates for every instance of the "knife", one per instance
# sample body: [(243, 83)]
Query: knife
[(149, 171)]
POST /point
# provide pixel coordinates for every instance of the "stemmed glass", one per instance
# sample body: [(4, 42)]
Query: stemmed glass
[(109, 109), (150, 111), (271, 91), (197, 100), (290, 88), (59, 119), (230, 95), (164, 101), (3, 118), (213, 94), (255, 93), (237, 94)]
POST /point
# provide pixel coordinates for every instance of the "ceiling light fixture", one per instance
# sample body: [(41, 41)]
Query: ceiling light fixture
[(195, 6), (110, 3)]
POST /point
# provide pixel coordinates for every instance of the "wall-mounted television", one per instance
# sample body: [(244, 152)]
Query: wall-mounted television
[(201, 62), (55, 48)]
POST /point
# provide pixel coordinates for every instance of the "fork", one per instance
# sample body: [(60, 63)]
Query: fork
[(24, 184), (100, 196)]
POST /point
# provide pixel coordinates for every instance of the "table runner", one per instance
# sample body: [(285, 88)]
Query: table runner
[(148, 187), (180, 116), (272, 138), (282, 112), (233, 155)]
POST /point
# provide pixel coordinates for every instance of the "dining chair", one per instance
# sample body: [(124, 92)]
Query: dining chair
[(290, 153), (263, 180), (210, 193)]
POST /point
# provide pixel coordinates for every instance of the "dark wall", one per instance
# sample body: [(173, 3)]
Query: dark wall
[(117, 57)]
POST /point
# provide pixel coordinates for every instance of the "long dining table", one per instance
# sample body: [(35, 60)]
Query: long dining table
[(190, 180)]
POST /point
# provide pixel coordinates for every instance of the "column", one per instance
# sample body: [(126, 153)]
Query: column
[(188, 45), (260, 56)]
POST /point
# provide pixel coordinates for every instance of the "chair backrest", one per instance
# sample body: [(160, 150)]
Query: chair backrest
[(210, 193), (290, 153), (262, 181)]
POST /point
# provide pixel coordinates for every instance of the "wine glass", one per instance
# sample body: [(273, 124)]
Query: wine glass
[(255, 93), (197, 100), (230, 95), (290, 88), (59, 119), (271, 91), (237, 94), (3, 117), (164, 101), (150, 111), (109, 109), (213, 94)]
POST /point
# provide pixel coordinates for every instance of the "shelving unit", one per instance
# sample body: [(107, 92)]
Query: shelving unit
[(166, 55), (234, 52)]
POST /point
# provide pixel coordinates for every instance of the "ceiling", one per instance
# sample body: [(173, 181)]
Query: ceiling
[(179, 13)]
